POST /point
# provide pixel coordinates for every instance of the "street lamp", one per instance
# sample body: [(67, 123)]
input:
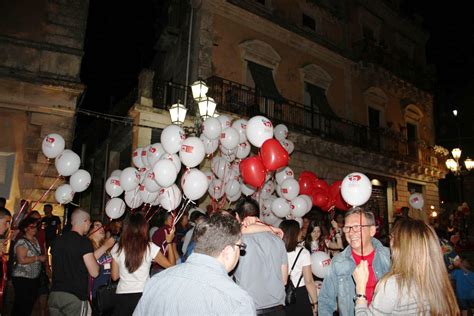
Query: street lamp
[(178, 113), (455, 166)]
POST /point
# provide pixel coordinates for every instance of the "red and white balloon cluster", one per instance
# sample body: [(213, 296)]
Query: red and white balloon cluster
[(67, 164)]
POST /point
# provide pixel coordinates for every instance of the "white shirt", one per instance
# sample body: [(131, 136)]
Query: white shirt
[(303, 260), (187, 240), (134, 282)]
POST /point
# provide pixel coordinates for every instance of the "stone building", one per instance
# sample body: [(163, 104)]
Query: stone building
[(349, 79), (41, 48)]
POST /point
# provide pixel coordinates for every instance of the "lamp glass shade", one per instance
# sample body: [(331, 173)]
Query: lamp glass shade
[(469, 163), (451, 164), (178, 113), (216, 114), (207, 106), (199, 89), (456, 152)]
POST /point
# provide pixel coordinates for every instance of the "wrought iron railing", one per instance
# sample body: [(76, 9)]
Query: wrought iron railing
[(237, 98)]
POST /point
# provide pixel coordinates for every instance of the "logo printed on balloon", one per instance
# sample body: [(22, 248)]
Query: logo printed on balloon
[(354, 178), (187, 148), (50, 139), (151, 175), (144, 153), (289, 173), (284, 190), (152, 149), (182, 135), (115, 181), (135, 154), (244, 126), (326, 262), (267, 123)]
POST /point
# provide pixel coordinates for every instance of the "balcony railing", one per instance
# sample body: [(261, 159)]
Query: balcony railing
[(247, 102)]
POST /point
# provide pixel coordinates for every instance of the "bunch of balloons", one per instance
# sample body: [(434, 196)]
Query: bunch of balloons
[(67, 164)]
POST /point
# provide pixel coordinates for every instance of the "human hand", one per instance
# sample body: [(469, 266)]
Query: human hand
[(110, 242), (278, 231), (249, 220), (169, 236), (41, 258), (334, 224), (361, 276)]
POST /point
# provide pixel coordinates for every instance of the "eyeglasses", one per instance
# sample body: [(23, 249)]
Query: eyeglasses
[(242, 246), (355, 228)]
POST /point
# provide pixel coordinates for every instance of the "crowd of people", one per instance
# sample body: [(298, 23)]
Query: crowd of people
[(230, 263)]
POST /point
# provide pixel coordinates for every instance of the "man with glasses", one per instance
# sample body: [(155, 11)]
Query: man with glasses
[(338, 288), (201, 285)]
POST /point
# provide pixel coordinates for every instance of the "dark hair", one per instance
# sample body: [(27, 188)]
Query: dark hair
[(369, 216), (4, 212), (291, 229), (3, 201), (34, 213), (27, 222), (309, 239), (48, 206), (134, 241), (215, 233), (195, 215), (247, 206)]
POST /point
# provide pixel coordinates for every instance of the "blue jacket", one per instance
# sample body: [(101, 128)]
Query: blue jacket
[(339, 288)]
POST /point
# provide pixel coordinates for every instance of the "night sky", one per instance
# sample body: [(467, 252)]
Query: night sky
[(120, 40)]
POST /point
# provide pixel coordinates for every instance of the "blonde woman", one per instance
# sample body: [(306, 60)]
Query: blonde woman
[(417, 283)]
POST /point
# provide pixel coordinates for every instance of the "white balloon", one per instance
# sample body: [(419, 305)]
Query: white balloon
[(144, 156), (229, 138), (284, 173), (243, 150), (67, 163), (320, 264), (53, 145), (80, 180), (137, 158), (225, 121), (129, 179), (116, 173), (64, 194), (209, 176), (173, 158), (268, 189), (194, 183), (270, 219), (170, 197), (133, 198), (155, 151), (226, 151), (298, 206), (229, 158), (416, 201), (240, 126), (142, 173), (278, 190), (192, 152), (235, 197), (232, 188), (288, 145), (356, 189), (150, 184), (171, 138), (309, 201), (113, 187), (290, 189), (231, 175), (216, 188), (259, 129), (219, 166), (247, 189), (266, 208), (281, 132), (147, 196), (115, 208), (165, 172), (210, 145), (280, 207), (212, 128)]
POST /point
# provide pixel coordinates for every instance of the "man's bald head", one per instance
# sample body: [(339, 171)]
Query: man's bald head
[(80, 221)]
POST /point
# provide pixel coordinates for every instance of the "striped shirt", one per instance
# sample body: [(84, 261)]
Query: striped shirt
[(387, 301), (200, 286)]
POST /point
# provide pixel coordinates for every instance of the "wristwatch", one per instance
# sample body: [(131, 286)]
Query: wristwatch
[(357, 296)]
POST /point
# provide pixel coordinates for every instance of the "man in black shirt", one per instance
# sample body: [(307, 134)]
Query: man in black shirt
[(73, 263), (52, 225)]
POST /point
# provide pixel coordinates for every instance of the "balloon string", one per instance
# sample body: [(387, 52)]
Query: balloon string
[(149, 209), (43, 171), (182, 211), (361, 240)]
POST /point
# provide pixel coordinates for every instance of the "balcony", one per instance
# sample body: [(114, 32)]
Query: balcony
[(247, 102)]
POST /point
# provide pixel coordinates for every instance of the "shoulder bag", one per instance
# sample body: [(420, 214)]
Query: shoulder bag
[(290, 289), (105, 297)]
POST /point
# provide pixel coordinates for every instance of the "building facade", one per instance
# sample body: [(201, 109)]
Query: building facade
[(41, 48)]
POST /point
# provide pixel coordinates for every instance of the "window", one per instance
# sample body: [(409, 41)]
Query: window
[(414, 188), (374, 118), (309, 22), (411, 133)]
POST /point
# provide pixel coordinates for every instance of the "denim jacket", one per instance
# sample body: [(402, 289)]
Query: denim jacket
[(338, 288)]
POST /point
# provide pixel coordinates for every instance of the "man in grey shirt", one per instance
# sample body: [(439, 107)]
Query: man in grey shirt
[(201, 285), (263, 269)]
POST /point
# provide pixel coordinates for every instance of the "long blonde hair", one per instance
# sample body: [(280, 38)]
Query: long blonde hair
[(418, 266)]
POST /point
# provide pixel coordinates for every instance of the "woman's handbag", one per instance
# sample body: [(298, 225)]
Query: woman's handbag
[(105, 298), (290, 289)]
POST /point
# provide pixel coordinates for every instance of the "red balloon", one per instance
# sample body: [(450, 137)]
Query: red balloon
[(309, 174), (321, 184), (336, 197), (252, 171), (320, 198), (273, 155), (306, 181)]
